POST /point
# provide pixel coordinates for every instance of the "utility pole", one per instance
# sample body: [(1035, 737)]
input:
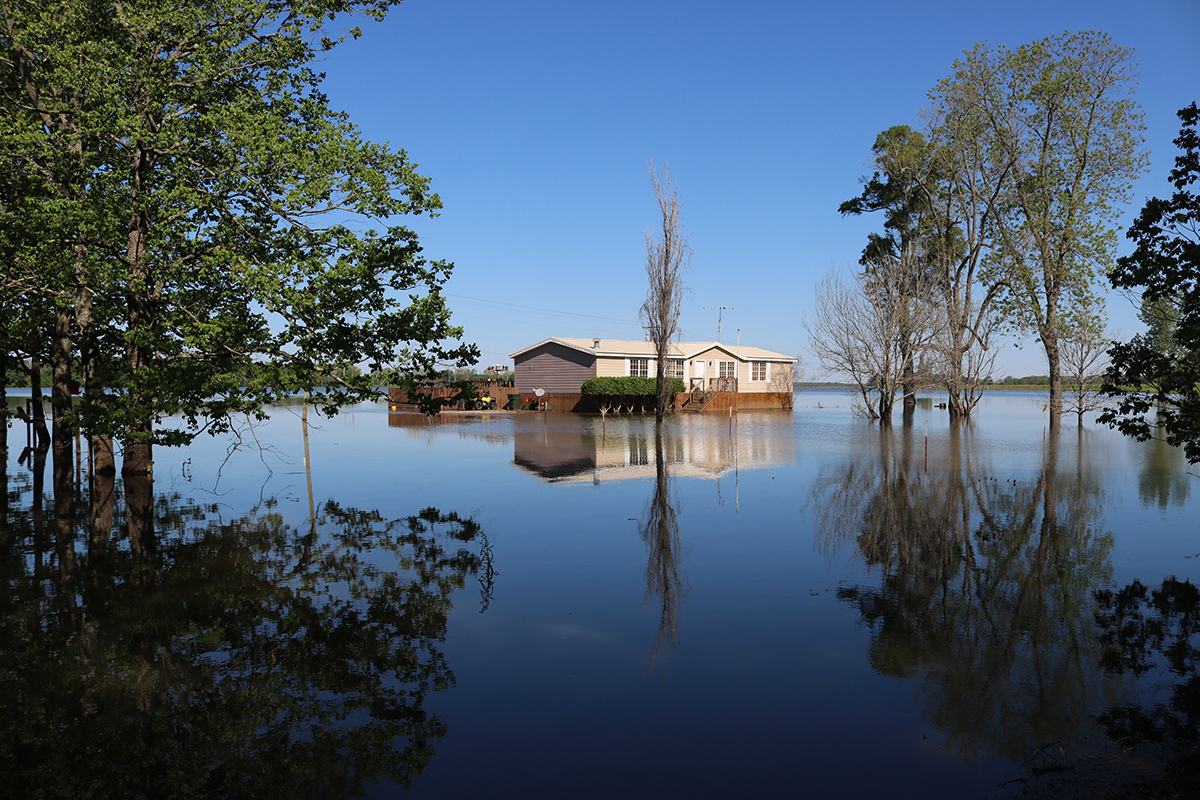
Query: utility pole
[(720, 310)]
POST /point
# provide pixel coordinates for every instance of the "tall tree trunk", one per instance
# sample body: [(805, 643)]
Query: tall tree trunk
[(908, 378), (139, 516), (5, 361), (1054, 365), (60, 390), (954, 375), (139, 299), (662, 388), (41, 433), (886, 401)]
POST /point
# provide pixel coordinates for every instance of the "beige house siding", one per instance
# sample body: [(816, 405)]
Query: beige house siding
[(714, 356), (554, 368), (609, 367)]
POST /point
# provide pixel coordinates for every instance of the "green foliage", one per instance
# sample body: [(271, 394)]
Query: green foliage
[(1028, 380), (1049, 134), (187, 155), (905, 188), (629, 386), (15, 376), (1166, 267)]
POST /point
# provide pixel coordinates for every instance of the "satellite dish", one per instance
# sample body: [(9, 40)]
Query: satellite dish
[(539, 392)]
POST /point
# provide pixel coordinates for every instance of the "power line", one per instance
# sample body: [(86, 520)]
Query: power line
[(543, 310)]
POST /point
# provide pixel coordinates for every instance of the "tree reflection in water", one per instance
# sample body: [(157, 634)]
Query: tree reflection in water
[(1154, 633), (1164, 478), (197, 657), (660, 532), (987, 584)]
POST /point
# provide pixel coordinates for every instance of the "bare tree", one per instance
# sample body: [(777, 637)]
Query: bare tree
[(937, 191), (783, 382), (1083, 351), (876, 330), (964, 355), (667, 257)]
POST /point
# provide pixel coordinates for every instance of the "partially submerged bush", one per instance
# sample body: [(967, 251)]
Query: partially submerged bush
[(625, 392), (629, 386)]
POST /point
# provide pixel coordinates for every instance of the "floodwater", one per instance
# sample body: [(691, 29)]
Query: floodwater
[(544, 605)]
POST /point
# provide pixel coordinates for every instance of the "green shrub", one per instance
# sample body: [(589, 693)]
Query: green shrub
[(629, 386)]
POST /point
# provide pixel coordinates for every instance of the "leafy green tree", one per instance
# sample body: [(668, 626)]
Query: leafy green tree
[(209, 211), (1161, 368), (939, 210), (1060, 140), (903, 187)]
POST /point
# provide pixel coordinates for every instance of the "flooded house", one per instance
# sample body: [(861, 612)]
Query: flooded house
[(718, 376)]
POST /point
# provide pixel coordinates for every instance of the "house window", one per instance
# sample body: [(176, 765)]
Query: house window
[(675, 368), (728, 369), (639, 367), (758, 370)]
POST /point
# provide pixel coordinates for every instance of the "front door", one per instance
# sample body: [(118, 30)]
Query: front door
[(698, 374)]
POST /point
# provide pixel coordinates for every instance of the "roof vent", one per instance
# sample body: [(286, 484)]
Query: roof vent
[(595, 344)]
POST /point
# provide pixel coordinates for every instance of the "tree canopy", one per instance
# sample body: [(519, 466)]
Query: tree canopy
[(181, 202), (1061, 139), (1160, 369), (1010, 194)]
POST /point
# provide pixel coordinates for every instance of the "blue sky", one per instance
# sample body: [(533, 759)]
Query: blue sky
[(535, 120)]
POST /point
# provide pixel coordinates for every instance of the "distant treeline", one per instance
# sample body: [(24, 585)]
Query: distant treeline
[(15, 376), (1028, 380)]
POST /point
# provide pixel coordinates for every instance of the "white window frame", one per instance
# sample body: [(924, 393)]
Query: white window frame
[(762, 368), (727, 369), (676, 368), (643, 363)]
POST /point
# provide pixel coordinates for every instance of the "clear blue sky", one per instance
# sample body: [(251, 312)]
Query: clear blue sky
[(534, 120)]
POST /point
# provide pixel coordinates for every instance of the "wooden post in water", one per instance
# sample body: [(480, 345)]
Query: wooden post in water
[(312, 512)]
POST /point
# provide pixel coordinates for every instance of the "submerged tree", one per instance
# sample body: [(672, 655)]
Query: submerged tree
[(872, 329), (928, 187), (667, 257), (1011, 192), (902, 187), (1061, 141), (1084, 360), (194, 199)]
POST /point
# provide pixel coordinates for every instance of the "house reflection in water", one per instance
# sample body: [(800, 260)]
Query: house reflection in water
[(575, 449)]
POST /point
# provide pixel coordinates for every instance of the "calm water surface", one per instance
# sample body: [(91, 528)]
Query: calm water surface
[(557, 605)]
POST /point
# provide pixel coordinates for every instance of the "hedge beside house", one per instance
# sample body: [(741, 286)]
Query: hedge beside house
[(628, 392), (630, 386)]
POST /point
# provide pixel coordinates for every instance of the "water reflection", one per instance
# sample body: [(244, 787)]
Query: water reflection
[(1163, 477), (180, 653), (594, 449), (986, 586), (1153, 633), (660, 531)]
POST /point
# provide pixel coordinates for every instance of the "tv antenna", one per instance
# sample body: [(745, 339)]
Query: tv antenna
[(720, 310)]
